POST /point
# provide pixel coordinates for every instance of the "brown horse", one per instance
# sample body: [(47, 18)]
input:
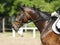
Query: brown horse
[(43, 22)]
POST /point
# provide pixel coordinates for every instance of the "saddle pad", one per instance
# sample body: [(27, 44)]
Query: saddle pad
[(58, 24), (54, 26)]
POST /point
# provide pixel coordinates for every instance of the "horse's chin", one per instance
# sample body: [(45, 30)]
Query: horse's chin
[(15, 28)]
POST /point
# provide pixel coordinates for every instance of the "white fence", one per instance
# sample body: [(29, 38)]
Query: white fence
[(26, 28)]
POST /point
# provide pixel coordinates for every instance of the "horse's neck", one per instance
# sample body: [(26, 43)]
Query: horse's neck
[(39, 19), (41, 25)]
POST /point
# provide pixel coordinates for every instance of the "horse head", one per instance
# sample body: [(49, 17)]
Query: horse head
[(21, 18)]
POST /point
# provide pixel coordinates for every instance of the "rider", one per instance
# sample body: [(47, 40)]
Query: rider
[(57, 14), (57, 22)]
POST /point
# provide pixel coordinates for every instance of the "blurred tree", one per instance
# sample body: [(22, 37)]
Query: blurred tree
[(48, 1), (11, 7)]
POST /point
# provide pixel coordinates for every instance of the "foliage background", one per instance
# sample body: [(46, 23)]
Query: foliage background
[(11, 7)]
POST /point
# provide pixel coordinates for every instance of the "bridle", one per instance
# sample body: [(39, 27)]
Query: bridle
[(20, 19)]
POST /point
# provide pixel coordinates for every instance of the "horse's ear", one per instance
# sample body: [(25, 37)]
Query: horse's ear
[(21, 8), (24, 5), (34, 7)]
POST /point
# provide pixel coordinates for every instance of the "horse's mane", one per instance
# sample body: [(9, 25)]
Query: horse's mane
[(45, 15)]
